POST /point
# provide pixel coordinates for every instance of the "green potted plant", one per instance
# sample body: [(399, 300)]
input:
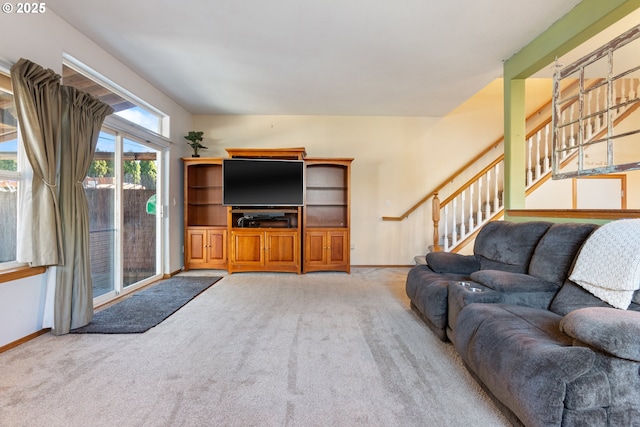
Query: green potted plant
[(194, 141)]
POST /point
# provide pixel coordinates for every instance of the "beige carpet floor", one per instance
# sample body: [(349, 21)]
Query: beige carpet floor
[(322, 349)]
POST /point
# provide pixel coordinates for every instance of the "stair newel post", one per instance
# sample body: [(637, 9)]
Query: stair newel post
[(435, 215)]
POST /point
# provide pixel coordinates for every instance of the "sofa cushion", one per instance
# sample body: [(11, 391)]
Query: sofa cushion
[(572, 297), (508, 246), (612, 330), (520, 354), (518, 288), (556, 251), (450, 262)]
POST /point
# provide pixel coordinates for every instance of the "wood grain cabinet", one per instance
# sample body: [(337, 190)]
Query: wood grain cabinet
[(206, 248), (326, 250), (265, 250), (327, 215), (205, 218), (299, 239)]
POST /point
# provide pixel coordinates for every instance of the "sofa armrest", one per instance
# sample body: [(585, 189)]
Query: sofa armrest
[(504, 281), (450, 262), (611, 330)]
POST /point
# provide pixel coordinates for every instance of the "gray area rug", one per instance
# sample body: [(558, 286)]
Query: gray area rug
[(256, 349), (145, 309)]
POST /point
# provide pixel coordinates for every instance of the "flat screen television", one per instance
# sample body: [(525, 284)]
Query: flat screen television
[(262, 182)]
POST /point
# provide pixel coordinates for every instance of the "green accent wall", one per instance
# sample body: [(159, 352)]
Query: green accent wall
[(584, 21)]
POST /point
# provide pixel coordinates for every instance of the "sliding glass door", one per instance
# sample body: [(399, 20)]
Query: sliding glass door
[(125, 215), (100, 186), (140, 213)]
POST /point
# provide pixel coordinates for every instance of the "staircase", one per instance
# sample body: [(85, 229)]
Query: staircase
[(459, 217)]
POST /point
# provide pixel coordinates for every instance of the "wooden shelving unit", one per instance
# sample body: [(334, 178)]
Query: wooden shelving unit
[(205, 218), (327, 215), (296, 239)]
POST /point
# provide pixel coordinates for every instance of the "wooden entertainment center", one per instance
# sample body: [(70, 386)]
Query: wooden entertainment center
[(296, 239)]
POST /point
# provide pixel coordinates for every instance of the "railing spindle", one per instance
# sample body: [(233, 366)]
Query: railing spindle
[(463, 229), (471, 207), (496, 200), (454, 231), (529, 166), (538, 158), (445, 237)]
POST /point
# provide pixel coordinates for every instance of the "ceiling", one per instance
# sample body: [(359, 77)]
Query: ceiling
[(300, 57)]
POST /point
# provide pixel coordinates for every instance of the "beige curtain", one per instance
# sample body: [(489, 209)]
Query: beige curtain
[(36, 92), (82, 118)]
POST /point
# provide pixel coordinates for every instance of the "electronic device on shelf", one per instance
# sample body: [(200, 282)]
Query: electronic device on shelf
[(262, 182)]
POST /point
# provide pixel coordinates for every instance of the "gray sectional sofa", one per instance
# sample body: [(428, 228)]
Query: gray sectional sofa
[(549, 352)]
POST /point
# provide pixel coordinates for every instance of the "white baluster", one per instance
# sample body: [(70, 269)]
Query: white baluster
[(538, 158), (479, 213), (471, 207), (589, 128), (496, 200), (445, 239), (547, 139), (599, 116), (572, 139), (487, 203), (564, 137), (463, 229), (529, 167), (454, 231)]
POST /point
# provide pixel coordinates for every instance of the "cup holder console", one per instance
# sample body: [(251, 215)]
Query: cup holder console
[(470, 288)]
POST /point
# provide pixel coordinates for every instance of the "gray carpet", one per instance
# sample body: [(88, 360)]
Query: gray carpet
[(147, 308), (256, 349)]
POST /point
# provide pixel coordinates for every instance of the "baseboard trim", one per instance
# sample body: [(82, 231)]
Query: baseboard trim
[(169, 275), (23, 340), (384, 266)]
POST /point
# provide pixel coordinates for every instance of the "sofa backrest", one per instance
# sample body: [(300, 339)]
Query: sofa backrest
[(508, 246), (572, 297), (556, 251)]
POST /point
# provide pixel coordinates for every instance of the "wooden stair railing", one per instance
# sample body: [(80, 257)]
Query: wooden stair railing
[(487, 204)]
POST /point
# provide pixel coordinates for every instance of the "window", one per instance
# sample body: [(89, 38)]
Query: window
[(590, 133), (9, 174), (124, 104)]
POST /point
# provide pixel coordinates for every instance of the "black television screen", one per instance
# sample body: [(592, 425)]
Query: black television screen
[(262, 182)]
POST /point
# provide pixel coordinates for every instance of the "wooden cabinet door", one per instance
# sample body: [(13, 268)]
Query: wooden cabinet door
[(338, 249), (247, 250), (217, 249), (282, 251), (195, 248), (206, 248), (315, 249), (326, 250)]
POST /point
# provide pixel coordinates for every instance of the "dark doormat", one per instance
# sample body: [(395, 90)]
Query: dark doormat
[(145, 309)]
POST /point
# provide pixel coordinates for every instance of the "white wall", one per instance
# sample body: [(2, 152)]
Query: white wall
[(398, 160), (43, 39)]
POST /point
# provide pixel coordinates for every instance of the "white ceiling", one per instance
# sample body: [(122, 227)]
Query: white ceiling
[(323, 57)]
